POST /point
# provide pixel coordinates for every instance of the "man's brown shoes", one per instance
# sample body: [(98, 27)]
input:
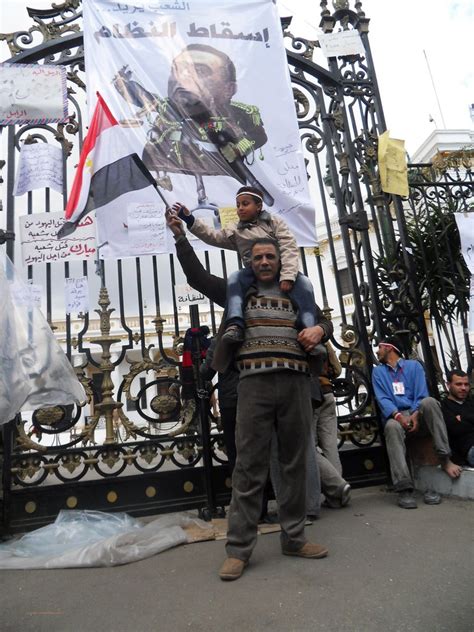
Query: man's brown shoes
[(309, 550), (232, 569)]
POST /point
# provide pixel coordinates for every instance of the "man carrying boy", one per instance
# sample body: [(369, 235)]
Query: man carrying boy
[(274, 392)]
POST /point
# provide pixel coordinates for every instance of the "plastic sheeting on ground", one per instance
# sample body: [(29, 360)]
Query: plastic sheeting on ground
[(94, 538)]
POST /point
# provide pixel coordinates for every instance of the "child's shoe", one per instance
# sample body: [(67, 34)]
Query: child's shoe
[(233, 334)]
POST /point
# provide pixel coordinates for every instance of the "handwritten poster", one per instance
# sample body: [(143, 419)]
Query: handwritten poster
[(39, 242), (186, 296), (40, 166), (28, 294), (465, 224), (228, 216), (393, 165), (146, 228), (76, 293), (341, 43), (32, 93)]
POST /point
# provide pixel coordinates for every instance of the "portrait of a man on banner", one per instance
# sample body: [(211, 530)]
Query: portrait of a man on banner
[(203, 90)]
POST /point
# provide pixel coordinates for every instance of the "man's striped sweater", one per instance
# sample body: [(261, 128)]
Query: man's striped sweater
[(270, 335)]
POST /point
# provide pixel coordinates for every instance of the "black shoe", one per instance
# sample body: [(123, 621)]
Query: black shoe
[(431, 497), (233, 334), (406, 500), (269, 518)]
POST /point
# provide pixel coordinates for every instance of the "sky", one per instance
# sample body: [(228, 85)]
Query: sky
[(400, 34)]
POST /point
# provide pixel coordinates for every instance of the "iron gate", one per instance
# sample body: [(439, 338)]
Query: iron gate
[(139, 445)]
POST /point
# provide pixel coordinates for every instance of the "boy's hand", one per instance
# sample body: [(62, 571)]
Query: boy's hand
[(180, 210), (286, 286), (183, 213)]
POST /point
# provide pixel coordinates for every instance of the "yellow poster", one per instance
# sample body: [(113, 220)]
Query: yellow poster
[(228, 216), (393, 165)]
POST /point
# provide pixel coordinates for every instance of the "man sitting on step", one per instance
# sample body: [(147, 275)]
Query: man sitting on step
[(407, 410)]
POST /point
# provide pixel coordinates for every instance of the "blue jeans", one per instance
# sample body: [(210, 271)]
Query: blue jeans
[(301, 294)]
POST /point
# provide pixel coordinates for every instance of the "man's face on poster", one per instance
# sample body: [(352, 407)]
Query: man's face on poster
[(201, 82)]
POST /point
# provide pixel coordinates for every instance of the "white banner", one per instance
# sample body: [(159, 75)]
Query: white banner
[(32, 93), (465, 224), (40, 244), (205, 86)]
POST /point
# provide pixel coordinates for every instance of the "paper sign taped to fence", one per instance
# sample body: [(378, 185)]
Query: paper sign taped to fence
[(40, 166), (342, 43), (393, 168), (39, 242), (30, 93), (28, 294), (186, 296), (465, 224), (146, 228), (77, 295)]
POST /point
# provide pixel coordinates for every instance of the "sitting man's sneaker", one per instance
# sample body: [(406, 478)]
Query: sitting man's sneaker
[(312, 517), (406, 500), (346, 495), (309, 550), (233, 334), (431, 497), (341, 499), (232, 569)]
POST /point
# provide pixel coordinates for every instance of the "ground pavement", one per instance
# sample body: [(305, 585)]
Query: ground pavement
[(389, 570)]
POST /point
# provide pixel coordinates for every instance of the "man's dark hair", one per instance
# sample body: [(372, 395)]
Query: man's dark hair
[(268, 241), (394, 343), (455, 372)]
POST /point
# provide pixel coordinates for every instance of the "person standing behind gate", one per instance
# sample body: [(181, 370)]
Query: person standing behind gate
[(336, 490), (458, 412), (407, 410)]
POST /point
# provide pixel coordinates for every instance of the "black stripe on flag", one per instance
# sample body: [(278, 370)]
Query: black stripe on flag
[(119, 177)]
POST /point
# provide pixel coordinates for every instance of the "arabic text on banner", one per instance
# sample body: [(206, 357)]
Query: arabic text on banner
[(187, 296), (39, 242), (32, 93), (198, 93)]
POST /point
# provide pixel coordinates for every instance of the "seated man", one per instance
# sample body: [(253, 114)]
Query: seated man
[(402, 395), (458, 412)]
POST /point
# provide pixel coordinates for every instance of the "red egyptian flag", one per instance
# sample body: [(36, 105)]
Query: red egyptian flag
[(106, 169)]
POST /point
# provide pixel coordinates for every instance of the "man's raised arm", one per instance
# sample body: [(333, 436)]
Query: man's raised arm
[(196, 274)]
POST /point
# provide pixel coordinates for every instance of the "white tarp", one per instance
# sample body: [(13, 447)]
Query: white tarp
[(206, 89), (94, 538), (34, 371)]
